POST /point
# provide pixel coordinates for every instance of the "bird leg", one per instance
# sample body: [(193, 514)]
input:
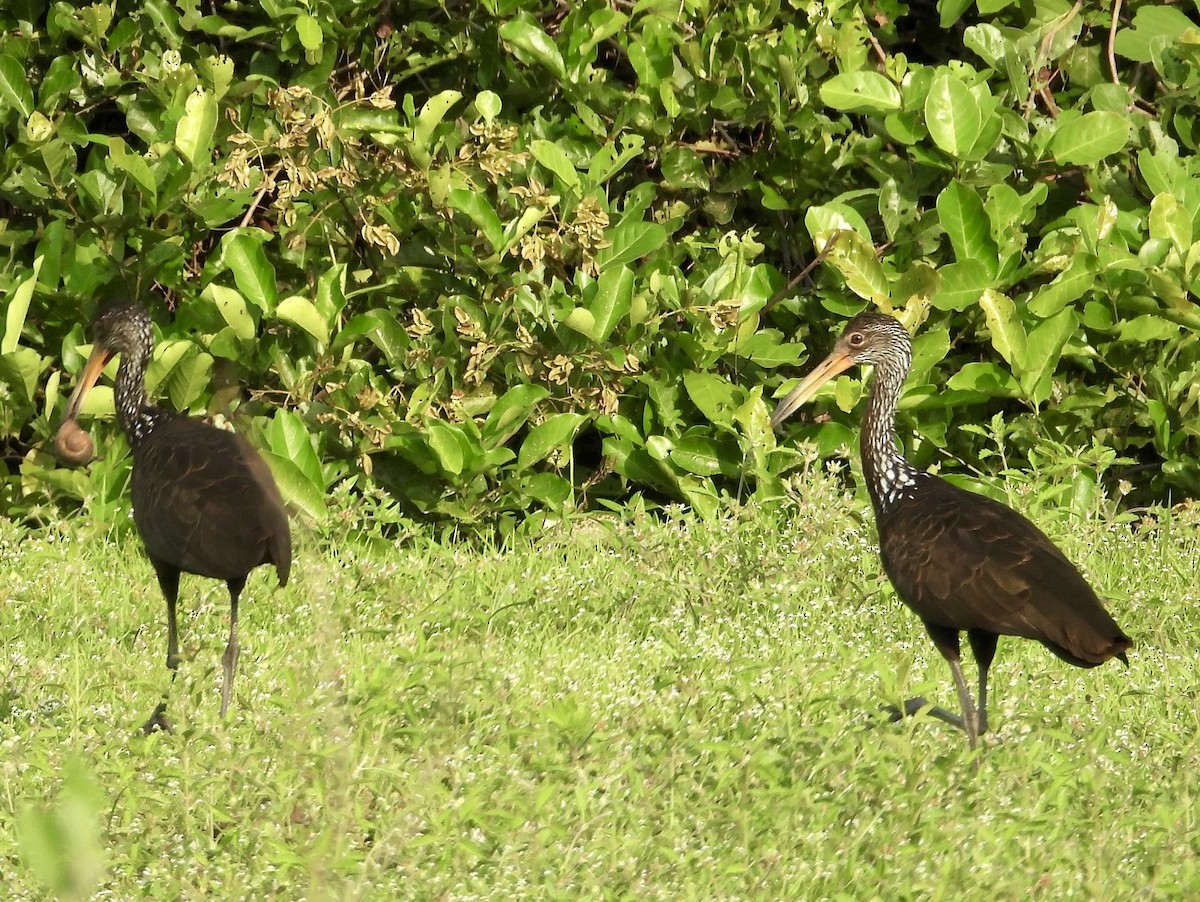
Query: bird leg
[(231, 650), (168, 581), (970, 717), (983, 646), (915, 705)]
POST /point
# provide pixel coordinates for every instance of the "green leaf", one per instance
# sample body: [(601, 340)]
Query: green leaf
[(556, 160), (532, 45), (1070, 285), (242, 251), (860, 92), (950, 11), (767, 348), (134, 166), (988, 379), (702, 456), (546, 438), (194, 132), (450, 444), (188, 382), (289, 436), (480, 212), (61, 842), (630, 242), (302, 312), (961, 213), (432, 113), (18, 309), (23, 367), (14, 86), (297, 489), (1170, 221), (382, 330), (713, 396), (614, 295), (232, 307), (1155, 28), (854, 257), (1042, 352), (309, 32), (510, 413), (609, 160), (1008, 335), (962, 285), (952, 115), (1089, 138)]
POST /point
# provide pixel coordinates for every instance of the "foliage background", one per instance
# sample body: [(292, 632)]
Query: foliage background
[(494, 258)]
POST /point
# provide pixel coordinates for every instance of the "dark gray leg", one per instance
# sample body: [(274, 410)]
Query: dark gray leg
[(231, 650), (168, 581), (947, 643), (983, 645)]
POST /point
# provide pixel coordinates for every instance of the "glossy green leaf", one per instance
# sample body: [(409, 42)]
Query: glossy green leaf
[(962, 284), (629, 242), (242, 251), (557, 432), (302, 312), (232, 307), (17, 309), (952, 115), (556, 160), (510, 413), (432, 114), (297, 489), (715, 397), (532, 45), (860, 92), (194, 132), (1008, 335), (961, 213), (188, 382), (855, 258), (1089, 138), (14, 86), (1067, 287), (450, 445), (480, 212), (381, 329), (611, 304), (309, 32)]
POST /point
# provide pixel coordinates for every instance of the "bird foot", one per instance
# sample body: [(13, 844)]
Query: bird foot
[(914, 705), (158, 721)]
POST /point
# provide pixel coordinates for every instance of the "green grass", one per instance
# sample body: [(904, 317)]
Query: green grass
[(650, 710)]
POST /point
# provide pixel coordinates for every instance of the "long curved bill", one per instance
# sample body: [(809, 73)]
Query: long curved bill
[(91, 372), (835, 363)]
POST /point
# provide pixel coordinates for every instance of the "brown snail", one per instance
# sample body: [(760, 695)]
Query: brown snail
[(74, 446)]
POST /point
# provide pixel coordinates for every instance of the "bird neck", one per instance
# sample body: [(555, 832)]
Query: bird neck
[(890, 478), (137, 416)]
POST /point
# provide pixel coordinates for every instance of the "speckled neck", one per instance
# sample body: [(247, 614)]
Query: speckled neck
[(890, 478), (137, 416)]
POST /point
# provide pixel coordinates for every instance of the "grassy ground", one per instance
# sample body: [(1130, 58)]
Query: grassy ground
[(651, 710)]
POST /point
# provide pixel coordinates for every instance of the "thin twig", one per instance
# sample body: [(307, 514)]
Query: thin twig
[(1112, 39)]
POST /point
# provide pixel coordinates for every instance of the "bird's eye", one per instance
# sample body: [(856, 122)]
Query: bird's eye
[(856, 339)]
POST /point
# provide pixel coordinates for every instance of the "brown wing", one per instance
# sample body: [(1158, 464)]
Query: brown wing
[(204, 501), (963, 561)]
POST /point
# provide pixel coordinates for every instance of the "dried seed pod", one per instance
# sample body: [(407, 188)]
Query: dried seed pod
[(74, 446)]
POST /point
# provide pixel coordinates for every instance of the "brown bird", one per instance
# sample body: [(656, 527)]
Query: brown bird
[(204, 501), (959, 560)]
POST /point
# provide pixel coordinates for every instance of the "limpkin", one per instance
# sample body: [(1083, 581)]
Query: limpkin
[(204, 501), (960, 561)]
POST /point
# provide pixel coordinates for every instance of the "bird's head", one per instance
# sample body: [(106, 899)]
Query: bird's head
[(119, 327), (870, 339)]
